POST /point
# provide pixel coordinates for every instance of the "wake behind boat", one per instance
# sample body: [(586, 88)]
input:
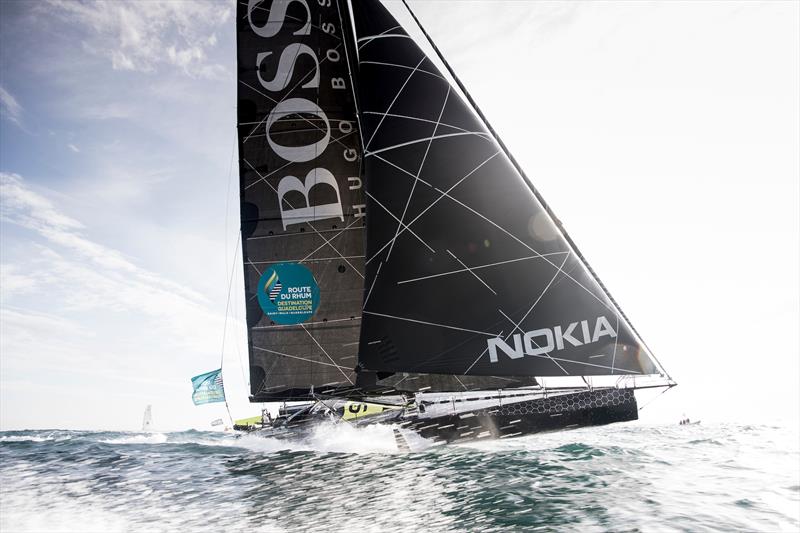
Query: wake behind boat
[(395, 254), (471, 417)]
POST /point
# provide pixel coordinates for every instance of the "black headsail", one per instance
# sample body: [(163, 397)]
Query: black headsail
[(467, 272), (302, 207)]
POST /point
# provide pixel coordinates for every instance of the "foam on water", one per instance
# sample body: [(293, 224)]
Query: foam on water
[(143, 438), (621, 477), (327, 437)]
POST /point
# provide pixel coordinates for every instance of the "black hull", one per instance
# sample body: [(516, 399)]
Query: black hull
[(554, 413), (568, 411)]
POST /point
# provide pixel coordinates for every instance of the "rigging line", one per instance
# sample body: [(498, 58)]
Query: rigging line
[(383, 32), (402, 66), (321, 246), (287, 16), (560, 270), (225, 326), (332, 138), (630, 373), (478, 267), (249, 262), (280, 326), (533, 189), (404, 171), (289, 93), (265, 176), (421, 140), (616, 342), (385, 36), (443, 194), (235, 252), (326, 354), (369, 293), (348, 34), (396, 96), (298, 357), (309, 224), (419, 171), (230, 278), (305, 77), (432, 324), (400, 223), (461, 383), (315, 260), (460, 262), (516, 326), (407, 117), (228, 303), (228, 195), (668, 387)]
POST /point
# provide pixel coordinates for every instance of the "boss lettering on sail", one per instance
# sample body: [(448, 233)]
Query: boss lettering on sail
[(298, 69), (546, 340)]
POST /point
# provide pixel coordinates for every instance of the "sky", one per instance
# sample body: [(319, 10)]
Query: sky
[(664, 135)]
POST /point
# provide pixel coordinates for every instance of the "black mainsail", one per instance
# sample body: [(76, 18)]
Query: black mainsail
[(390, 244)]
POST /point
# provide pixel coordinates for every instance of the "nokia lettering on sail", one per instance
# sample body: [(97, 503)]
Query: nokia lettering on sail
[(392, 245), (553, 339)]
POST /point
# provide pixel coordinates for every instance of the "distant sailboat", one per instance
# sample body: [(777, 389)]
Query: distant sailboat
[(147, 421), (398, 263)]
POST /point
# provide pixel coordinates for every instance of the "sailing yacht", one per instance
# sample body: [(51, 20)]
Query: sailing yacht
[(399, 266), (147, 419)]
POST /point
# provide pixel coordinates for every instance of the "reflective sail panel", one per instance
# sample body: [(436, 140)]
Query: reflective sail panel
[(302, 208), (466, 272)]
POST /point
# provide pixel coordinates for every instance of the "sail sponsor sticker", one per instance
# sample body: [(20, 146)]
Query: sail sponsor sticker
[(288, 293)]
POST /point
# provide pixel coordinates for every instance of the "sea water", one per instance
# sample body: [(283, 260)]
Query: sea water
[(624, 477)]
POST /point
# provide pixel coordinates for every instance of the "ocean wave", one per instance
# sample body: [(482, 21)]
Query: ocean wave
[(344, 478), (145, 438), (331, 438), (36, 437), (24, 438)]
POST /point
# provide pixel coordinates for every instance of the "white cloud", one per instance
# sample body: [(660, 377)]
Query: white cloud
[(22, 206), (78, 310), (73, 148), (14, 279), (9, 106), (26, 208), (142, 36)]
